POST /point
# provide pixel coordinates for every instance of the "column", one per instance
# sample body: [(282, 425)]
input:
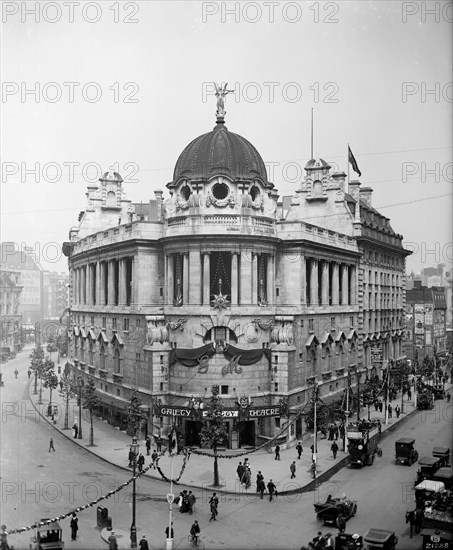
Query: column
[(84, 284), (325, 283), (344, 285), (185, 278), (100, 287), (111, 284), (170, 280), (245, 297), (270, 280), (75, 286), (314, 300), (353, 284), (206, 279), (195, 277), (122, 282), (335, 284), (255, 281)]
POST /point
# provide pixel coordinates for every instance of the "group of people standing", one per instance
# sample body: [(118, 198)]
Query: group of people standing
[(244, 473), (186, 501)]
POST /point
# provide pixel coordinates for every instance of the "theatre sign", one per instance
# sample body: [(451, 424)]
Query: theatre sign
[(228, 412)]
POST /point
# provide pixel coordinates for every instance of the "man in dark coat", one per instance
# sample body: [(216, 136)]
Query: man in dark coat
[(334, 449), (191, 500), (140, 462), (240, 471), (299, 449), (271, 488), (74, 526), (292, 469), (277, 452), (213, 504), (148, 445), (143, 544)]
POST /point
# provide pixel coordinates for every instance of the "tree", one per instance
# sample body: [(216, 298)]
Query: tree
[(369, 393), (214, 431), (51, 382), (45, 374), (67, 391), (37, 363), (135, 413), (90, 402)]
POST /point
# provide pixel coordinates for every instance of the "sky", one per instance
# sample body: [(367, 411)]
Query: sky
[(130, 84)]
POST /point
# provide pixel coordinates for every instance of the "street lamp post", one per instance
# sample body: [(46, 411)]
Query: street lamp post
[(80, 386), (134, 449), (358, 373)]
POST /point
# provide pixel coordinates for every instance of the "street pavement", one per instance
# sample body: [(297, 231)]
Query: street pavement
[(244, 521), (112, 445)]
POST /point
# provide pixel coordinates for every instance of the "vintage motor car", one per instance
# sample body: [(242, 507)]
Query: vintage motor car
[(428, 466), (49, 536), (443, 454), (380, 539), (329, 510), (346, 541), (405, 452), (445, 476), (438, 392)]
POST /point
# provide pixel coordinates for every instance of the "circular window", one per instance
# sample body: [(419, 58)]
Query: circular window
[(220, 191), (254, 192), (185, 192)]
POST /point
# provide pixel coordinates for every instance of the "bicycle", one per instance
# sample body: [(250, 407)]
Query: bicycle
[(195, 542)]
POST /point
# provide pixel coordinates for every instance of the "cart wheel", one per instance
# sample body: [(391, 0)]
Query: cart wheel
[(354, 510)]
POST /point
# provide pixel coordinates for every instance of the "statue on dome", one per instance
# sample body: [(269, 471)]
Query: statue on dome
[(221, 92)]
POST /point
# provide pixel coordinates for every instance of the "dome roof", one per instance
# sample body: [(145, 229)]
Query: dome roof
[(220, 152), (317, 163), (111, 176)]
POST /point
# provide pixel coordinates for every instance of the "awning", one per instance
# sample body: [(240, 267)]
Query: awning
[(312, 341)]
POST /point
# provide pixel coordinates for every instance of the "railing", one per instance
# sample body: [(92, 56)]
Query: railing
[(221, 219)]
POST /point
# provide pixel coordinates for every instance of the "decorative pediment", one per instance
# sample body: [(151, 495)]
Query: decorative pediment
[(312, 341), (326, 339), (340, 337), (116, 339)]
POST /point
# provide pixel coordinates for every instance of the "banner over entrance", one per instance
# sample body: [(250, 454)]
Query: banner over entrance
[(228, 412)]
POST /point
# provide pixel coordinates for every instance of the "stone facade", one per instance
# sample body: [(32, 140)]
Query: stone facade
[(11, 319), (218, 284)]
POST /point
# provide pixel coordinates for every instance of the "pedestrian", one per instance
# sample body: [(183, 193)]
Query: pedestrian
[(213, 504), (330, 438), (29, 373), (16, 372), (341, 523), (154, 458), (195, 532), (170, 532), (259, 478), (148, 445), (271, 488), (277, 452), (76, 430), (292, 469), (261, 487), (191, 500), (409, 395), (113, 541), (379, 426), (140, 462), (335, 432), (299, 449), (246, 478), (74, 526), (312, 448), (159, 446), (342, 431), (380, 406), (61, 384), (51, 447), (240, 471), (334, 449), (390, 409), (143, 544), (397, 411), (376, 405), (131, 456)]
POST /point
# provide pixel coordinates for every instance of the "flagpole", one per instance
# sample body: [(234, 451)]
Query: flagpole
[(311, 133), (348, 167)]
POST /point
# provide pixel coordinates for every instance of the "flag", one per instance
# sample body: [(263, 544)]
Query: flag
[(353, 162), (173, 442)]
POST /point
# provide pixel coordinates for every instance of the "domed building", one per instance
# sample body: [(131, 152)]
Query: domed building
[(222, 284)]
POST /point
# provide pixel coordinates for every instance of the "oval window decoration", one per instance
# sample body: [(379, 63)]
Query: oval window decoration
[(185, 192), (220, 190), (254, 192)]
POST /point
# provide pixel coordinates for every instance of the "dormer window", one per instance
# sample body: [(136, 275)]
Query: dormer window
[(220, 190)]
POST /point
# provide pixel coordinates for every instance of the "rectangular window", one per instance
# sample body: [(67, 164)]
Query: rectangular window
[(220, 333), (113, 323), (126, 324), (104, 322), (276, 386), (137, 322), (351, 321), (92, 321), (161, 292), (137, 357), (332, 322), (301, 356), (161, 386), (118, 392), (83, 319), (275, 358), (277, 291), (301, 323), (310, 324), (161, 357), (277, 422), (224, 390)]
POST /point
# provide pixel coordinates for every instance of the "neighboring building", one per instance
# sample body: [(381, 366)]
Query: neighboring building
[(11, 319), (426, 314), (55, 294), (222, 284)]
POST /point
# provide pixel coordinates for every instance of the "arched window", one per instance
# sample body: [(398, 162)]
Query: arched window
[(90, 353), (82, 350), (117, 361), (111, 199), (102, 355), (328, 358), (317, 189)]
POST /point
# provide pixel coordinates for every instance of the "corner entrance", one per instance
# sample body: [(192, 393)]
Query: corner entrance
[(193, 429), (246, 431)]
